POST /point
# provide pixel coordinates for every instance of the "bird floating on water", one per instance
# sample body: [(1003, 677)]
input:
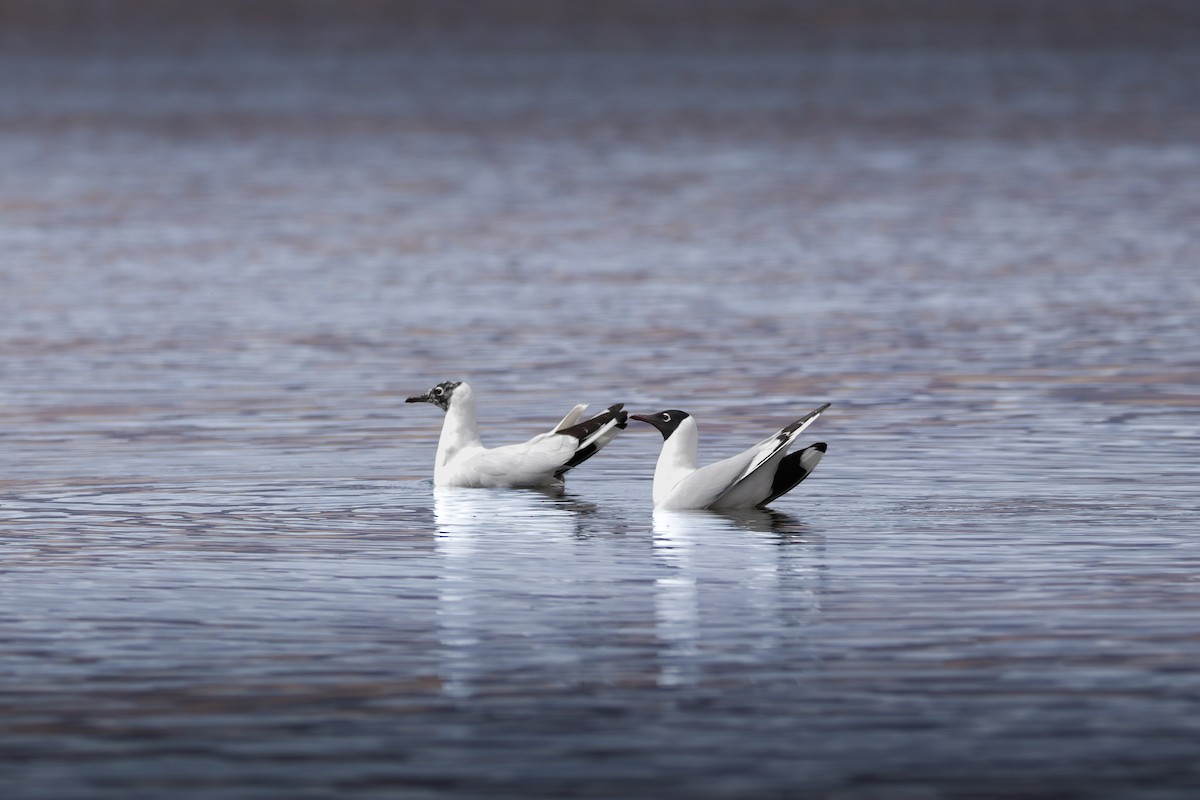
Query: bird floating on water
[(750, 479), (541, 462)]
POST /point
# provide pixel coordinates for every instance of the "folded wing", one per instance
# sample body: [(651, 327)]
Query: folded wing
[(705, 486), (545, 458), (531, 463)]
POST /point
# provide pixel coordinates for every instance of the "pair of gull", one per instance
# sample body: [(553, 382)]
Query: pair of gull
[(750, 479)]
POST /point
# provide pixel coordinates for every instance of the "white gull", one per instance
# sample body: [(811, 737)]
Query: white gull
[(750, 479), (463, 461)]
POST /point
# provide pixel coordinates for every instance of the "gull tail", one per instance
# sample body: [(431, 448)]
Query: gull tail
[(593, 434)]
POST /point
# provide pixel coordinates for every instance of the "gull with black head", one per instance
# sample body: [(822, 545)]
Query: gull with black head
[(751, 479), (541, 462)]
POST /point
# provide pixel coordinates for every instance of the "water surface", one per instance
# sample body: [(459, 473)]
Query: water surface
[(224, 569)]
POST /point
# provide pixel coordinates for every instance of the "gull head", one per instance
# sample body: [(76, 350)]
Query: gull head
[(665, 421), (439, 395)]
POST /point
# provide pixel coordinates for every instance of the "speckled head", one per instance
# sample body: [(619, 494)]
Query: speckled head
[(439, 395)]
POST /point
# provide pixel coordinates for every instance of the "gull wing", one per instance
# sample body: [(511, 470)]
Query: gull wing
[(570, 419), (545, 458), (702, 488), (794, 468), (758, 483), (594, 434), (531, 463)]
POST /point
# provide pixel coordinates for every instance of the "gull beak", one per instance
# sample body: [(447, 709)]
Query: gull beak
[(420, 398), (640, 418)]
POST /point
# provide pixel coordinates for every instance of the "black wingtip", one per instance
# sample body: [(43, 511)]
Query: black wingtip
[(622, 417), (587, 428), (787, 431), (584, 429), (791, 472)]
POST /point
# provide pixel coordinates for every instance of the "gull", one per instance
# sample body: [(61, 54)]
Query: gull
[(463, 461), (748, 480)]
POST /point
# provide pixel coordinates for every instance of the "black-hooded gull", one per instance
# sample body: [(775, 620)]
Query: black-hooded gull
[(750, 479), (463, 461)]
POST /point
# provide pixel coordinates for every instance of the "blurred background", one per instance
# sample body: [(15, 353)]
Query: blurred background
[(235, 235), (298, 212)]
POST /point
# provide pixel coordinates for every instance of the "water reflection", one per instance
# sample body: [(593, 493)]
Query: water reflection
[(518, 588), (490, 543), (676, 596), (469, 512), (755, 572), (764, 520)]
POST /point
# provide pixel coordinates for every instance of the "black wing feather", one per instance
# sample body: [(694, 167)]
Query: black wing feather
[(585, 429), (790, 473)]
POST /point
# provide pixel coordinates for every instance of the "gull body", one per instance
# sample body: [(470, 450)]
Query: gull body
[(750, 479), (541, 462)]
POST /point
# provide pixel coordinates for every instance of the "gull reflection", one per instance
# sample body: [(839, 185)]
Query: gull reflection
[(486, 540), (676, 605), (473, 511), (734, 589), (763, 520)]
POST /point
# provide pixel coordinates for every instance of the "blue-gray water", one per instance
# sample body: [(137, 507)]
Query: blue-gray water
[(223, 568)]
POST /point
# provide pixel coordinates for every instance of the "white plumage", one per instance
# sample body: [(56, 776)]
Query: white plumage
[(750, 479), (463, 461)]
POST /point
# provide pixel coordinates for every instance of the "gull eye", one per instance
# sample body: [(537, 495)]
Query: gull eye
[(666, 417), (437, 390)]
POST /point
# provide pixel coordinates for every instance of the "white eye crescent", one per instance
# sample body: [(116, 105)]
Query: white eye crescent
[(666, 417), (437, 390)]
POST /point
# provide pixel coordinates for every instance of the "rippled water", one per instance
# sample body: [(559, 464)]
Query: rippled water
[(224, 569)]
